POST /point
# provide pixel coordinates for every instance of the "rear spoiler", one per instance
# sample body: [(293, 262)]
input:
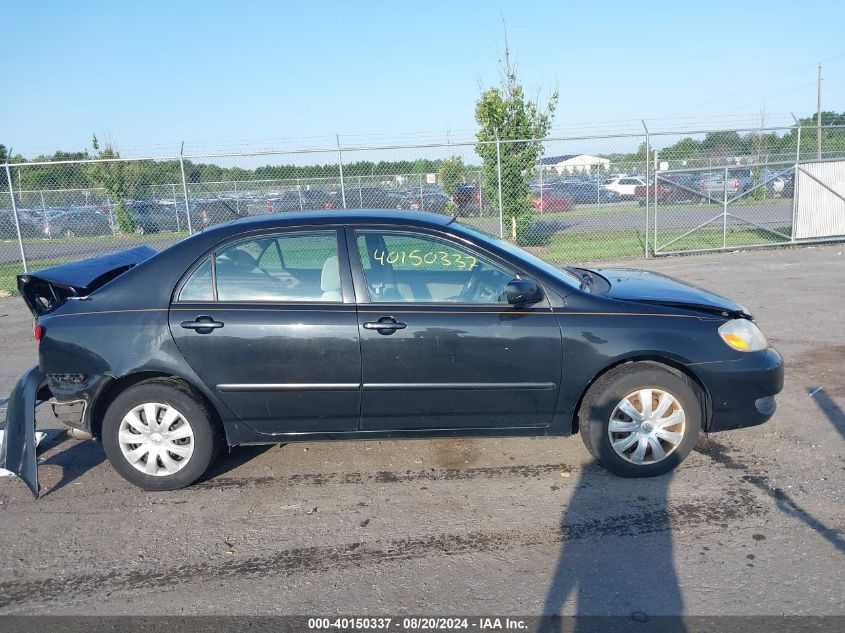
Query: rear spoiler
[(45, 290)]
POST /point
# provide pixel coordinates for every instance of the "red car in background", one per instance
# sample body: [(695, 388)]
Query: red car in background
[(551, 199)]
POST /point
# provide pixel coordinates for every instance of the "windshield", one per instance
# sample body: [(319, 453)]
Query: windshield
[(524, 255)]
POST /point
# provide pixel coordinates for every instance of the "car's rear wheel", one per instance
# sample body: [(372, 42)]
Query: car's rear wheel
[(159, 435), (641, 419)]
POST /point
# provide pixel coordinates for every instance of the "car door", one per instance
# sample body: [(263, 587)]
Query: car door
[(441, 348), (269, 323)]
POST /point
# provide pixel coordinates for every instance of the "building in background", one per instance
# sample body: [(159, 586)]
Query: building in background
[(573, 163)]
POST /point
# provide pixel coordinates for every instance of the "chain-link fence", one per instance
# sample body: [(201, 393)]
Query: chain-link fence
[(566, 199)]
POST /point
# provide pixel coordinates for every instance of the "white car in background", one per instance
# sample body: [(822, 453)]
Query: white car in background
[(624, 185)]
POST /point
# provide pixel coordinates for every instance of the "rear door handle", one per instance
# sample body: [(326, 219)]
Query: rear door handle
[(385, 325), (202, 324)]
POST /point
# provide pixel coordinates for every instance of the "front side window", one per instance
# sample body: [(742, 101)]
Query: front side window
[(296, 267), (413, 268)]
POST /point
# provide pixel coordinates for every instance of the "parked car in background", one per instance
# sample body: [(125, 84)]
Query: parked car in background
[(77, 222), (155, 217), (586, 192), (371, 198), (624, 186), (433, 200), (30, 227), (214, 211), (716, 187), (669, 189), (316, 199), (551, 199), (788, 190), (466, 195)]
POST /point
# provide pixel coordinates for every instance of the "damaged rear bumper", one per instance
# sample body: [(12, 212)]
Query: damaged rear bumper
[(17, 451)]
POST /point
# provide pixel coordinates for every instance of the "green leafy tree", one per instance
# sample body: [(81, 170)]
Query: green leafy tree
[(452, 172), (114, 178), (519, 124)]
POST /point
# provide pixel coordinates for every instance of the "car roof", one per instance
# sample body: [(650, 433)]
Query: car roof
[(340, 216)]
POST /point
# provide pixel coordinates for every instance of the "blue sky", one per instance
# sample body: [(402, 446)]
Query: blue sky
[(227, 74)]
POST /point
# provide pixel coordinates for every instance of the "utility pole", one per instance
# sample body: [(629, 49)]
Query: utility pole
[(819, 117)]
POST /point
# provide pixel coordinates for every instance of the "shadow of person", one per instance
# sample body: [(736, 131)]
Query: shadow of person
[(616, 557)]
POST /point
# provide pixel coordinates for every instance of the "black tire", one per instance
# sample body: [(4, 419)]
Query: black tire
[(609, 390), (208, 438)]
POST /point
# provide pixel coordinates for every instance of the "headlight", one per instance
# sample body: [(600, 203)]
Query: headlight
[(743, 335)]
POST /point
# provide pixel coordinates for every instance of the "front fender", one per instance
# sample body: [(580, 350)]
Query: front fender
[(17, 451)]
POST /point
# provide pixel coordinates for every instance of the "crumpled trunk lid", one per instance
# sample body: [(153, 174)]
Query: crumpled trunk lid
[(45, 290)]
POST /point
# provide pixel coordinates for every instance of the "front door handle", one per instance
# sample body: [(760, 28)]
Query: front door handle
[(202, 325), (385, 325)]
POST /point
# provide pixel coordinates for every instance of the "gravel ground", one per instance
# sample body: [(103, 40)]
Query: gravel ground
[(752, 523)]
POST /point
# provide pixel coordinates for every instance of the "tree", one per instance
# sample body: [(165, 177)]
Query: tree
[(113, 177), (518, 124), (452, 173)]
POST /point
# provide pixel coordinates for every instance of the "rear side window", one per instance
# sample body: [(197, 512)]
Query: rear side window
[(289, 268), (199, 286)]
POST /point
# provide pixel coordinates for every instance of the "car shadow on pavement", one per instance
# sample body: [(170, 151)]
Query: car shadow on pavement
[(76, 460), (237, 456), (616, 555)]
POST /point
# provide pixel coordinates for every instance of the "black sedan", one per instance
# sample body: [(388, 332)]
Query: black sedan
[(377, 324), (76, 222)]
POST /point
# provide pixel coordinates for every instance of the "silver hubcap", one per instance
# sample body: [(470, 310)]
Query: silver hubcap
[(646, 426), (156, 439)]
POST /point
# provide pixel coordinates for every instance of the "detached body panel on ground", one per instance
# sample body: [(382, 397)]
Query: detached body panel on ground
[(379, 324)]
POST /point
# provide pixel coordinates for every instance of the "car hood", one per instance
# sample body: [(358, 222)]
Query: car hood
[(644, 286)]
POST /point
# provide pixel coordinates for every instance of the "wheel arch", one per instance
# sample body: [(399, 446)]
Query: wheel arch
[(118, 385), (673, 365)]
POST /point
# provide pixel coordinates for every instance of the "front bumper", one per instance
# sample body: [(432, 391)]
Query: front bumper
[(17, 452), (742, 392)]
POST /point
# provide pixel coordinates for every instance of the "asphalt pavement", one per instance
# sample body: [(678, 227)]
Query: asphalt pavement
[(751, 524)]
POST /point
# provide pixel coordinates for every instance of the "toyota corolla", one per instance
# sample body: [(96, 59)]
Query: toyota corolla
[(377, 324)]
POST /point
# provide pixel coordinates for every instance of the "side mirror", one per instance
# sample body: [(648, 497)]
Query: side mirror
[(523, 292)]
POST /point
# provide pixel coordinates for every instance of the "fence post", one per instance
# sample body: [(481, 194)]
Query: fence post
[(185, 188), (15, 213), (422, 195), (795, 181), (360, 194), (340, 164), (541, 186), (499, 177), (176, 208), (725, 209), (647, 192)]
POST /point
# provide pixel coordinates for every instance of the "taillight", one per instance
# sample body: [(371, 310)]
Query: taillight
[(37, 331)]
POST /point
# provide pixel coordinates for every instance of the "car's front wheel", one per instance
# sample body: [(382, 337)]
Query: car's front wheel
[(641, 419), (159, 436)]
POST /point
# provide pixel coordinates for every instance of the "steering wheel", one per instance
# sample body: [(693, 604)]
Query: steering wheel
[(471, 287)]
